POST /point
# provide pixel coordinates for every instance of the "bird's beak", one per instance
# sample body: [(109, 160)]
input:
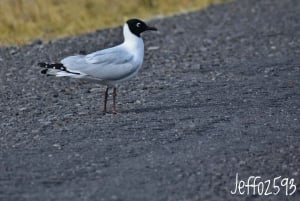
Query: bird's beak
[(151, 28)]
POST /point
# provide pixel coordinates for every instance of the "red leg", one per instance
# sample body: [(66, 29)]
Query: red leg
[(105, 100), (114, 101)]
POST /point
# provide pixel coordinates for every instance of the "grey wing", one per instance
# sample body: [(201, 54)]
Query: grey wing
[(109, 64), (116, 55)]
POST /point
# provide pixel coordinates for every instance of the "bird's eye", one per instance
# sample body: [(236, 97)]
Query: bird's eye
[(138, 24)]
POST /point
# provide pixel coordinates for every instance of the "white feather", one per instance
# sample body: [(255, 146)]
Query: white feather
[(110, 65)]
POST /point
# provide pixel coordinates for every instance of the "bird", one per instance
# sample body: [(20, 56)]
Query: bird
[(107, 66)]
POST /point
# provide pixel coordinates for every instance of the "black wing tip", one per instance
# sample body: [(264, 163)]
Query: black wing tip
[(42, 65), (44, 71), (55, 66)]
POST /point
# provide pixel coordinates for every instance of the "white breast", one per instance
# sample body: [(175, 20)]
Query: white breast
[(135, 46)]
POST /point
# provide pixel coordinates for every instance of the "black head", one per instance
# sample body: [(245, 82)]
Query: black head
[(137, 26)]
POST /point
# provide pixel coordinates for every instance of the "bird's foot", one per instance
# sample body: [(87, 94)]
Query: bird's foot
[(103, 112), (114, 111)]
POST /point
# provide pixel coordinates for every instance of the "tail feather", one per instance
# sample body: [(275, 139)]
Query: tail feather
[(57, 69)]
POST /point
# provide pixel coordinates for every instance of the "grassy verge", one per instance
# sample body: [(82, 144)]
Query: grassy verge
[(22, 21)]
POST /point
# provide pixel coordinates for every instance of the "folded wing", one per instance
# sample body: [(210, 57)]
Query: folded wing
[(110, 64)]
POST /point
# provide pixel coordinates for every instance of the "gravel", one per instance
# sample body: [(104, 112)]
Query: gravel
[(218, 95)]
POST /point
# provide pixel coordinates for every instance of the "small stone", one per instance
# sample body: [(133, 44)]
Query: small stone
[(44, 122), (22, 108), (153, 48), (13, 51), (94, 90), (37, 42), (58, 146), (36, 137)]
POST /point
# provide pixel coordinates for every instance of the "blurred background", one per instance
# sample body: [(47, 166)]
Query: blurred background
[(22, 21)]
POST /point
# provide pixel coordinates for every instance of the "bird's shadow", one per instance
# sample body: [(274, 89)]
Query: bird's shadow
[(160, 108)]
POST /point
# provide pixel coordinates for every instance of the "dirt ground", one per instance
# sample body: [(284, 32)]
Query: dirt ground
[(218, 95)]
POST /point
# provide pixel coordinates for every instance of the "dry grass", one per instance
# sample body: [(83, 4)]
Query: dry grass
[(22, 21)]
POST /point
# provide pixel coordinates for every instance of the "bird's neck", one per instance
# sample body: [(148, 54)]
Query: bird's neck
[(131, 40)]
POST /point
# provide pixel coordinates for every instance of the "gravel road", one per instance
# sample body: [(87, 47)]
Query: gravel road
[(218, 95)]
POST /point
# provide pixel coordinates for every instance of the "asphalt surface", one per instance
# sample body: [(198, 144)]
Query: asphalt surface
[(218, 95)]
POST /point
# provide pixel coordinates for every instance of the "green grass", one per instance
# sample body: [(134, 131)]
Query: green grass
[(22, 21)]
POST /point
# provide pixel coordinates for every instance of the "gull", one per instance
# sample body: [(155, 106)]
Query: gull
[(108, 66)]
